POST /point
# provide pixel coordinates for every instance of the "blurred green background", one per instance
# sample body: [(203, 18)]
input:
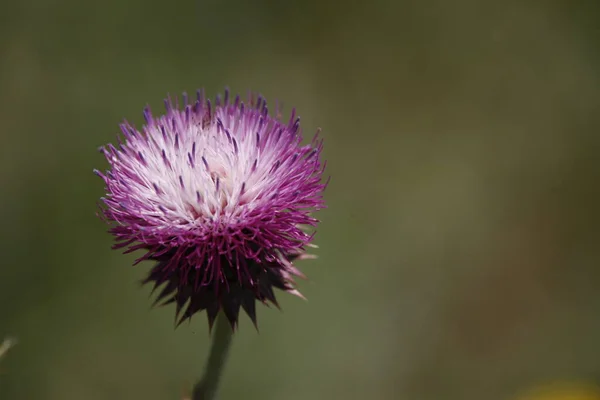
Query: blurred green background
[(458, 255)]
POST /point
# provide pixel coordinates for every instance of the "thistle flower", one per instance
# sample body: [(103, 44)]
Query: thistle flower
[(220, 198)]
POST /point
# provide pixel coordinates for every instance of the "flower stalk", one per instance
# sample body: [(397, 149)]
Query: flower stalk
[(207, 387)]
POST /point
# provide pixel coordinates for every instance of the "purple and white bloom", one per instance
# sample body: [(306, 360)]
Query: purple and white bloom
[(220, 197)]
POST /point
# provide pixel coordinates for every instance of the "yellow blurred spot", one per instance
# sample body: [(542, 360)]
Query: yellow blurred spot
[(563, 392)]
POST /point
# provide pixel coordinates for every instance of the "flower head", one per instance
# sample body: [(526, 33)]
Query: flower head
[(219, 196)]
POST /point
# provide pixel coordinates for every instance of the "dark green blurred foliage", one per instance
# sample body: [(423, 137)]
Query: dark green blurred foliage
[(458, 258)]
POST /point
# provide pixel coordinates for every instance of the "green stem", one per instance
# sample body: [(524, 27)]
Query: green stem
[(206, 388)]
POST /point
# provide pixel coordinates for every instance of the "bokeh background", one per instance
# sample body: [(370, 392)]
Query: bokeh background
[(458, 255)]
